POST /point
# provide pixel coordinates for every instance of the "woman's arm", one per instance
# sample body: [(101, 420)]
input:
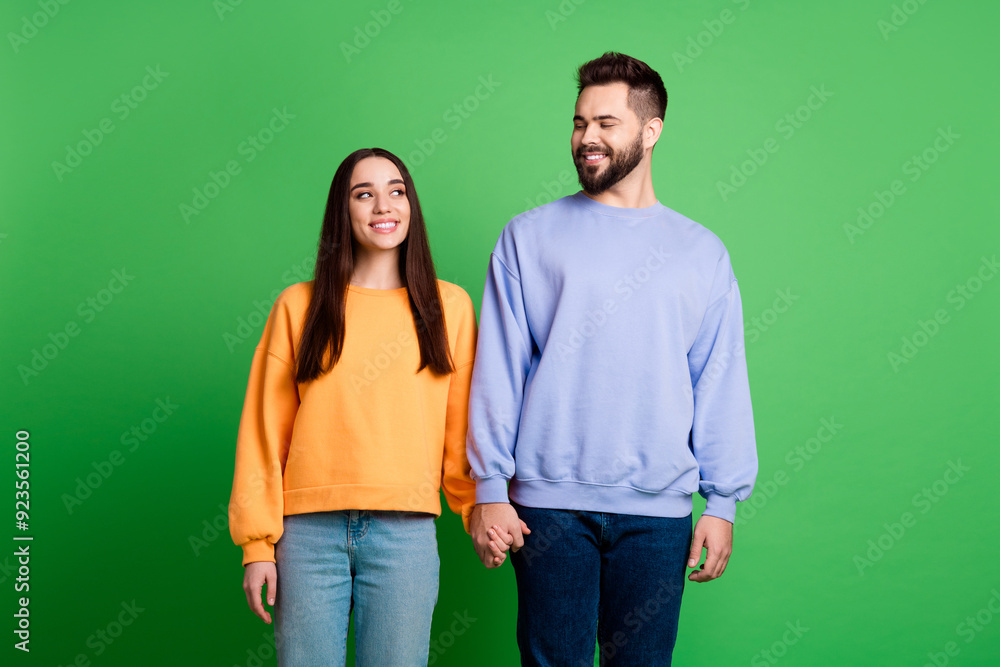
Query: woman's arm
[(265, 433), (459, 489)]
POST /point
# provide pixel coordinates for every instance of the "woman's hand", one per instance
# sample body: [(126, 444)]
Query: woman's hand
[(254, 577), (495, 528)]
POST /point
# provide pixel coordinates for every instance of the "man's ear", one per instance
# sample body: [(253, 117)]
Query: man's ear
[(651, 132)]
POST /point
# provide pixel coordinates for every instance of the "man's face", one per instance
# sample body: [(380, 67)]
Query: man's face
[(607, 137)]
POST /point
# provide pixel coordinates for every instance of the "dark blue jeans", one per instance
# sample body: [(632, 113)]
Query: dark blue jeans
[(586, 577)]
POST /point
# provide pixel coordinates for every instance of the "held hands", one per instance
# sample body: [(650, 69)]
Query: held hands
[(495, 528), (715, 535), (254, 576)]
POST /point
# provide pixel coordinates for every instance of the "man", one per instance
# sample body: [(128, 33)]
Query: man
[(610, 384)]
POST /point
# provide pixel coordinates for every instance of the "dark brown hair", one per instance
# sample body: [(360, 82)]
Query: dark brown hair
[(325, 326), (646, 95)]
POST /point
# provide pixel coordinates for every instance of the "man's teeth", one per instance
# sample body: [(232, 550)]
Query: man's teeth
[(384, 225), (591, 158)]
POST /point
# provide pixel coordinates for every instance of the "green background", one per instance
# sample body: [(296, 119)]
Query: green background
[(802, 555)]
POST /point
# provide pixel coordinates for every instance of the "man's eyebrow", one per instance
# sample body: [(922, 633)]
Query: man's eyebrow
[(368, 185), (604, 117)]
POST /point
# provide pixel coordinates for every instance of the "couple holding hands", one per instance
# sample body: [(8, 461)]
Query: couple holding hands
[(604, 384)]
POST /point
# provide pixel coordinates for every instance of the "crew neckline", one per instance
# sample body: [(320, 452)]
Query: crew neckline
[(371, 291), (620, 211)]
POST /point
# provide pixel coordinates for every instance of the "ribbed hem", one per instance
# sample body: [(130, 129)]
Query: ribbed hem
[(363, 497), (598, 498)]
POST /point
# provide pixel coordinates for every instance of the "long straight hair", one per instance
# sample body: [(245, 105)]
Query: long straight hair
[(322, 339)]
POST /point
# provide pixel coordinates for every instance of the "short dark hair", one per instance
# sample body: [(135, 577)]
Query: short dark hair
[(647, 96)]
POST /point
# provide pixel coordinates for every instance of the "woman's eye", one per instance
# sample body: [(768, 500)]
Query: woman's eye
[(362, 195), (398, 191)]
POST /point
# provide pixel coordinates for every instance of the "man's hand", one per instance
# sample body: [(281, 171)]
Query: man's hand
[(255, 575), (715, 535), (495, 528)]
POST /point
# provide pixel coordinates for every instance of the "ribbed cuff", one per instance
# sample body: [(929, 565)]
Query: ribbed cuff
[(723, 507), (491, 490), (258, 550), (467, 516)]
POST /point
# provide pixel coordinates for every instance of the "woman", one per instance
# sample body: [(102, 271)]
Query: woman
[(354, 418)]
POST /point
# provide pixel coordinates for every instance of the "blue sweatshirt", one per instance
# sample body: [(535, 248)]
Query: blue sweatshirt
[(610, 372)]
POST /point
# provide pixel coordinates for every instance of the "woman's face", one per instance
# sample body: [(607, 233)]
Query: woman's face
[(380, 211)]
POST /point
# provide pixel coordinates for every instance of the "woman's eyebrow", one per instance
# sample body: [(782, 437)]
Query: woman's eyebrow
[(368, 185)]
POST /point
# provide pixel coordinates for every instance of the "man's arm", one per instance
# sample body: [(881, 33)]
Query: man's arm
[(503, 358), (722, 433)]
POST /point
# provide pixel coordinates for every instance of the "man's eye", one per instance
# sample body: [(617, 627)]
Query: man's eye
[(605, 125)]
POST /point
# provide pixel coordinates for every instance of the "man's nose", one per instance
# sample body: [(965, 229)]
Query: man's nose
[(590, 135)]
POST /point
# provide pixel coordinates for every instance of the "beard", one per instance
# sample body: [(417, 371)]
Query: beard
[(620, 165)]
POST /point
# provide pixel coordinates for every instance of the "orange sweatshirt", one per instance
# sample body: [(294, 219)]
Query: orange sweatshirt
[(370, 434)]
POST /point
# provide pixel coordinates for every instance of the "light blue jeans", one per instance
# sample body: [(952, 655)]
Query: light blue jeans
[(383, 565)]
